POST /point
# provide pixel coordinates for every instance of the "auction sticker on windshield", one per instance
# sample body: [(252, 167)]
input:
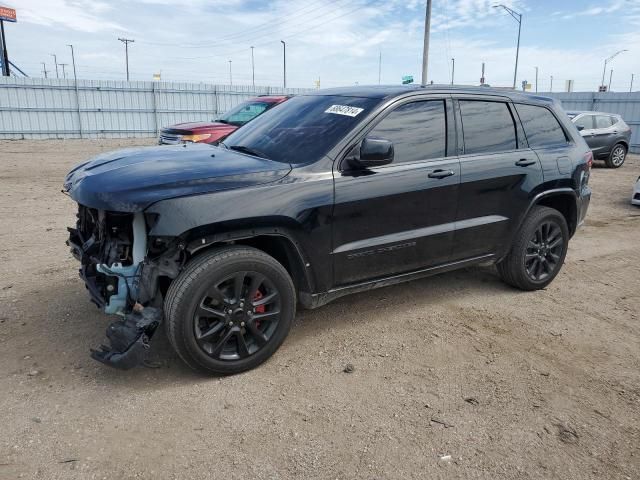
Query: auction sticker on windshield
[(344, 110)]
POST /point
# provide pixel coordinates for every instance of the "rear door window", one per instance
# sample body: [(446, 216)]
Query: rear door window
[(417, 131), (540, 126), (487, 127), (603, 121), (585, 121)]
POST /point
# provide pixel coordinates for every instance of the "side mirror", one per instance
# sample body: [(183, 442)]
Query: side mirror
[(580, 127), (375, 152)]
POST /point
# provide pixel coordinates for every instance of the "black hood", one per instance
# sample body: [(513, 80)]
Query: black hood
[(130, 180)]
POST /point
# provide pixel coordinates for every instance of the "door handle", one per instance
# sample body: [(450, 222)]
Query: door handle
[(523, 162), (440, 173)]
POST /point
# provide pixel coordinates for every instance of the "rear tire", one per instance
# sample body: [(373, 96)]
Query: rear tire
[(229, 310), (617, 156), (538, 251)]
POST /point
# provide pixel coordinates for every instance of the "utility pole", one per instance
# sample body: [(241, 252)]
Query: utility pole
[(379, 66), (253, 70), (631, 86), (610, 75), (55, 60), (536, 79), (284, 62), (607, 60), (64, 74), (126, 42), (5, 55), (44, 70), (230, 76), (518, 18), (453, 69), (425, 46), (551, 87)]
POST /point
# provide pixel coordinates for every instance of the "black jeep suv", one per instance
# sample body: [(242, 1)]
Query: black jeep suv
[(331, 193)]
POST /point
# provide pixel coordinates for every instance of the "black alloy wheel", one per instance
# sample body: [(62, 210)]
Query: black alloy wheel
[(544, 251), (229, 310), (237, 316), (537, 251)]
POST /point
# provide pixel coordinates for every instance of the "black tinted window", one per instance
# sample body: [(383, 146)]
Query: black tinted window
[(487, 127), (417, 130), (585, 121), (540, 126)]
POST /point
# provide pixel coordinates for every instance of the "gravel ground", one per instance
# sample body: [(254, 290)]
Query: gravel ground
[(454, 376)]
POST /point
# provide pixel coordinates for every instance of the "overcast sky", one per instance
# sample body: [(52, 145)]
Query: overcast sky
[(338, 41)]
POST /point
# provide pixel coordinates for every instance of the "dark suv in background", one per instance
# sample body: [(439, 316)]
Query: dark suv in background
[(607, 135), (331, 193)]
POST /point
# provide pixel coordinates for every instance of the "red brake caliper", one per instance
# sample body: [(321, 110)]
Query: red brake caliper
[(259, 308)]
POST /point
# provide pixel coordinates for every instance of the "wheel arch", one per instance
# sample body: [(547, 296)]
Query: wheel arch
[(277, 242), (563, 200)]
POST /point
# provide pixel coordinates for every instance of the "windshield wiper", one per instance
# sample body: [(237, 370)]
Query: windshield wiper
[(248, 150)]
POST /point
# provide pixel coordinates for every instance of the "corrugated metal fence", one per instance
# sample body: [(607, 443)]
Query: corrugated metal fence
[(625, 104), (52, 108)]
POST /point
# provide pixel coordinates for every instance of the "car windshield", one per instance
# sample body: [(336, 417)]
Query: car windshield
[(243, 113), (303, 129)]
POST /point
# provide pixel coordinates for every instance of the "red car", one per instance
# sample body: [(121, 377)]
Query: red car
[(213, 132)]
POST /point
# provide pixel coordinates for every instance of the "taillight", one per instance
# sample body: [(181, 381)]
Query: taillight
[(588, 157)]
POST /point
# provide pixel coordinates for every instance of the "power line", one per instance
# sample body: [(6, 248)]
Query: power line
[(242, 35)]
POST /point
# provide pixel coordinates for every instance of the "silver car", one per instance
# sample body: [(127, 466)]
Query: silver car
[(607, 135)]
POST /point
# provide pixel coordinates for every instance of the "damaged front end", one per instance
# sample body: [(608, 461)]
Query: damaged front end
[(121, 270)]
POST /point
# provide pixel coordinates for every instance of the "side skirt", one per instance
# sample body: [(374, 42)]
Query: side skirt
[(315, 300)]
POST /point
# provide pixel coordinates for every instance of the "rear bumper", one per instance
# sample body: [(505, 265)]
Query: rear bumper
[(583, 203)]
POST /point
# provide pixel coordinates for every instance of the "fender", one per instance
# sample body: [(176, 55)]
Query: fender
[(194, 245)]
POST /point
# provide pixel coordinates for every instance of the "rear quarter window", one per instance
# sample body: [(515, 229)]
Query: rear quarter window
[(540, 126)]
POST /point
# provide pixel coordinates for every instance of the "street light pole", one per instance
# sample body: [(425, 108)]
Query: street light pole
[(536, 79), (610, 75), (44, 70), (379, 66), (425, 46), (253, 71), (607, 60), (284, 63), (73, 61), (55, 61), (551, 87), (64, 73), (453, 69), (631, 86), (230, 76), (518, 18)]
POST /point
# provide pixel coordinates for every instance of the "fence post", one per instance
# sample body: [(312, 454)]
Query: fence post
[(75, 81), (215, 98), (155, 107)]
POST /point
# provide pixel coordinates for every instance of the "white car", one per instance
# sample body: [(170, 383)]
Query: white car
[(635, 198)]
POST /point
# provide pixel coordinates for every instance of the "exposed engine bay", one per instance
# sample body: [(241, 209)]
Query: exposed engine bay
[(122, 271)]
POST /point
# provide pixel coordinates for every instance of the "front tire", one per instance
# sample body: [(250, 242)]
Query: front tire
[(229, 310), (617, 156), (538, 251)]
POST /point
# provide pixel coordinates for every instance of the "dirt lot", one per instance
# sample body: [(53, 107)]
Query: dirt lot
[(509, 384)]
